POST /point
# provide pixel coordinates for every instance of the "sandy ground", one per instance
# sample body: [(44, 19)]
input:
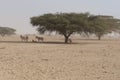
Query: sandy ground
[(86, 60)]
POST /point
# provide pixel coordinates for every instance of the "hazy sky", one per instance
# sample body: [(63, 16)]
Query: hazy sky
[(17, 13)]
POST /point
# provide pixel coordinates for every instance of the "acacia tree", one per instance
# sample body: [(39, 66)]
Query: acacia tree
[(100, 25), (6, 31), (64, 23)]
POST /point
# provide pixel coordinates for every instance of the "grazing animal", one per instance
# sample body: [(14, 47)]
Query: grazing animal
[(39, 38), (24, 38)]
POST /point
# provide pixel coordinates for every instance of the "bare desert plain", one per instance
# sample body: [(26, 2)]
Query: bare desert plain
[(85, 59)]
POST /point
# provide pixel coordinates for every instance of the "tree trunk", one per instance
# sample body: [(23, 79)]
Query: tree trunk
[(67, 36), (66, 39), (99, 37)]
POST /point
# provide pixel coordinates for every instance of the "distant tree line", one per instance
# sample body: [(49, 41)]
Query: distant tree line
[(6, 31), (68, 23)]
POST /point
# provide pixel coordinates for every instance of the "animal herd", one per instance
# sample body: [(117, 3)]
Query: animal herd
[(26, 38), (37, 39)]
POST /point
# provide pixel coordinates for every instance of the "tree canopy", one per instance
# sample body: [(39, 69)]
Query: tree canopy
[(100, 25), (6, 31), (64, 23), (69, 23)]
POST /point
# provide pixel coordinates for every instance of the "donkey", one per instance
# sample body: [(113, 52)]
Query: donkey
[(39, 38), (24, 38)]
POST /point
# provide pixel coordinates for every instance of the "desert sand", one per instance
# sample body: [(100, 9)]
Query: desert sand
[(82, 60)]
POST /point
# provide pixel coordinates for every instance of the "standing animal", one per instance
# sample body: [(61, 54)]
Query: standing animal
[(24, 38), (39, 38)]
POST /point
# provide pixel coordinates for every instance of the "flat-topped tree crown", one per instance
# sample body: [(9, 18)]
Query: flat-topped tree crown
[(6, 31), (101, 24), (63, 23)]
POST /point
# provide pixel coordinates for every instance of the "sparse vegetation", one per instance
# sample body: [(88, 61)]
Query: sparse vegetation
[(68, 23), (100, 25), (64, 23), (6, 31)]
